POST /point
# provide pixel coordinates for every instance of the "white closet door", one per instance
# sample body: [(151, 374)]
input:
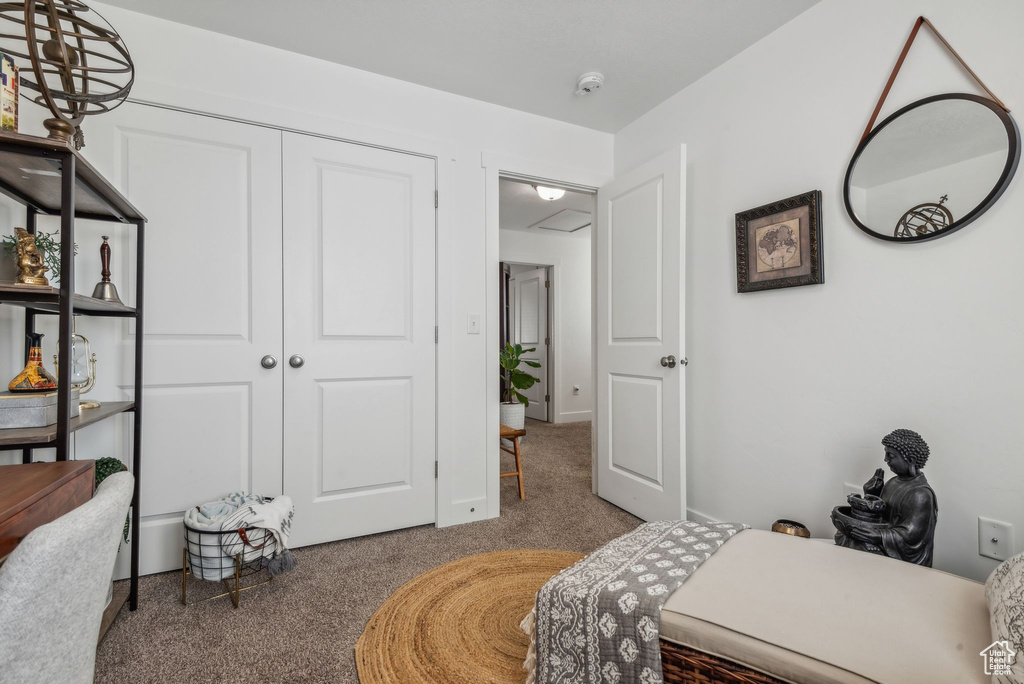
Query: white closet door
[(531, 330), (359, 255), (213, 418)]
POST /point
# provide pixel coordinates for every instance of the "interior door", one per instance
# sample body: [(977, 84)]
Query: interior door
[(359, 264), (640, 332), (211, 190), (530, 329)]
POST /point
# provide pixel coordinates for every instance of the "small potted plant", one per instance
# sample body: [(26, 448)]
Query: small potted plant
[(513, 408)]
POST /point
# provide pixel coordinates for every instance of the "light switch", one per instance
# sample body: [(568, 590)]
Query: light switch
[(995, 539), (474, 324)]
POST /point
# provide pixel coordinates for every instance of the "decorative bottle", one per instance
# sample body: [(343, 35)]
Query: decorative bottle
[(34, 378)]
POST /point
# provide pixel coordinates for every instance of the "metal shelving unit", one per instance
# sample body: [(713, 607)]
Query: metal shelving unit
[(51, 178)]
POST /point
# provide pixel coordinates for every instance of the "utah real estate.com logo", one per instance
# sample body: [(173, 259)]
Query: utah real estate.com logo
[(998, 658)]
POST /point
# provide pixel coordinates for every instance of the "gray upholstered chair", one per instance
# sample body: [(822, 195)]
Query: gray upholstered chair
[(53, 589)]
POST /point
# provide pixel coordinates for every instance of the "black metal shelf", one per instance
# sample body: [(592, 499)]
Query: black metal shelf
[(50, 177), (30, 172), (43, 437), (46, 300)]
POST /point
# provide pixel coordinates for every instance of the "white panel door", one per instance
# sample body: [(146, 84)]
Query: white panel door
[(359, 255), (640, 323), (530, 329), (213, 418)]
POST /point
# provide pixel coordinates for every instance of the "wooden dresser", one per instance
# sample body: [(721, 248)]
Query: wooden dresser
[(33, 494)]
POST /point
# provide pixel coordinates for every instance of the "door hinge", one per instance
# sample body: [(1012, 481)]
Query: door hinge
[(547, 340), (547, 283), (435, 334), (435, 470), (547, 397), (435, 199)]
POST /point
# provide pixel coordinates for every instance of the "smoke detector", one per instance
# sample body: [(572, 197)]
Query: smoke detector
[(589, 82)]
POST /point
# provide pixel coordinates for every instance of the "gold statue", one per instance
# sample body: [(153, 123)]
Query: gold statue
[(29, 260)]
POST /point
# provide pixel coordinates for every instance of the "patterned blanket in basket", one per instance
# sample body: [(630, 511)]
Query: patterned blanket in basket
[(598, 620)]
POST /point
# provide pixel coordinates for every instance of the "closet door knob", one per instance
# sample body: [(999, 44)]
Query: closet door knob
[(296, 361), (668, 361), (268, 361)]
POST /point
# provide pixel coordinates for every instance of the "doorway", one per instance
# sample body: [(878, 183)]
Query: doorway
[(545, 294), (637, 313), (526, 320)]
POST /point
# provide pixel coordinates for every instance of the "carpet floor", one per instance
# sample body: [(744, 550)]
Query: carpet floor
[(303, 626)]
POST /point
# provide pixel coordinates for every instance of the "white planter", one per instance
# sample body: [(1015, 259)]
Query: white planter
[(513, 415)]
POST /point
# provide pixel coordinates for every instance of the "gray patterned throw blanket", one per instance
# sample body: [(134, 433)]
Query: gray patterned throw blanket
[(598, 621)]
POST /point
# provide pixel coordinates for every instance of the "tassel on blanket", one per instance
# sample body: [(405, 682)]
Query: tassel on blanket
[(529, 626), (282, 563)]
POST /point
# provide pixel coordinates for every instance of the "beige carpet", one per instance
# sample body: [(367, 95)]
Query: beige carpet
[(303, 627)]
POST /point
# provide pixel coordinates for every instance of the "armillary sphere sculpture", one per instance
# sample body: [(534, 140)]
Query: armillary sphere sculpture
[(80, 65)]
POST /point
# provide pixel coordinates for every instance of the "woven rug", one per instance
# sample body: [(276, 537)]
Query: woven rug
[(458, 622)]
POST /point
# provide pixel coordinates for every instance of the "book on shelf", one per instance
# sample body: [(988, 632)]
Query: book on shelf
[(8, 94)]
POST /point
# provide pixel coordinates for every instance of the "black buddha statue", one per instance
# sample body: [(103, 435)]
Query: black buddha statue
[(895, 518)]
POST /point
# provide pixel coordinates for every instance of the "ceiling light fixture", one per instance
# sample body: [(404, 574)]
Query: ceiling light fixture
[(549, 194)]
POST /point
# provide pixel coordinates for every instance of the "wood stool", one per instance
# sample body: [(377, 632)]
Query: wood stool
[(513, 435)]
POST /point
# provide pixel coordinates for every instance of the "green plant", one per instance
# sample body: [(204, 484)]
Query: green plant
[(48, 245), (515, 379), (104, 468)]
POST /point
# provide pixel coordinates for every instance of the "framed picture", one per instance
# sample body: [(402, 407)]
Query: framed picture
[(779, 244)]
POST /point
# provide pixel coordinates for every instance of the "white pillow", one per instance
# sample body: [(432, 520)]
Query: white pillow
[(1004, 592)]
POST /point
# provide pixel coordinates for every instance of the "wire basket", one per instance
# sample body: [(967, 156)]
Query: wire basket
[(229, 556)]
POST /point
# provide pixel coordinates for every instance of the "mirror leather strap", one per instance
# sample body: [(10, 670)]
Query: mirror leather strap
[(899, 64)]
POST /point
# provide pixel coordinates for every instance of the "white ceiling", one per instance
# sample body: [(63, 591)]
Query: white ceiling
[(520, 207), (523, 54)]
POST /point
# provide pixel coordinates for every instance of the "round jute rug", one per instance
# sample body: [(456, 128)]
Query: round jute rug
[(458, 622)]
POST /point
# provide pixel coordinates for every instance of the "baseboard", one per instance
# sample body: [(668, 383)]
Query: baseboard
[(574, 416), (697, 516)]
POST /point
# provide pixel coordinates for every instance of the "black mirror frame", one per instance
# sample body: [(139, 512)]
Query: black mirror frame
[(1012, 159)]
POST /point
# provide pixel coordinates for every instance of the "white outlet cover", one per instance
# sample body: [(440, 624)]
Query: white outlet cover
[(995, 539)]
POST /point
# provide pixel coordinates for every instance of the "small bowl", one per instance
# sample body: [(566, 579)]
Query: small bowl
[(867, 507)]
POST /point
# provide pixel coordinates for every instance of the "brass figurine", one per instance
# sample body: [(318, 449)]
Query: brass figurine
[(30, 261)]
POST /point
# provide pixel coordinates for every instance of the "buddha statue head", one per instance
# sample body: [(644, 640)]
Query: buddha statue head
[(906, 452)]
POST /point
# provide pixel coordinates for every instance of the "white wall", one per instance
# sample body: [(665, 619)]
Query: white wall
[(925, 336), (190, 68), (570, 256)]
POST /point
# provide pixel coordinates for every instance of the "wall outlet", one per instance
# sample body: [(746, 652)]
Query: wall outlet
[(851, 489), (474, 324), (995, 539)]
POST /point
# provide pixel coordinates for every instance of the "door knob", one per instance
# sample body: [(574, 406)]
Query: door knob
[(296, 361), (668, 361), (268, 361)]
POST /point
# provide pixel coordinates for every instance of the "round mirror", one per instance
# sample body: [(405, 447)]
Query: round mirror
[(932, 167)]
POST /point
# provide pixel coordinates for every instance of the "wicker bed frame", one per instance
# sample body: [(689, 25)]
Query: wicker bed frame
[(682, 665)]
